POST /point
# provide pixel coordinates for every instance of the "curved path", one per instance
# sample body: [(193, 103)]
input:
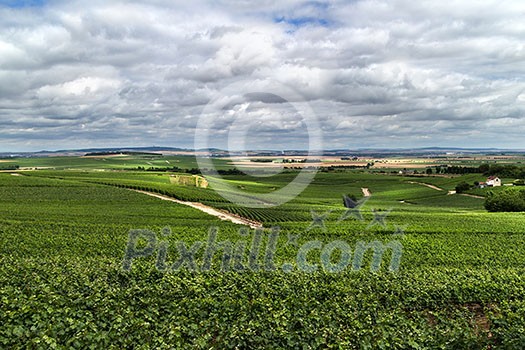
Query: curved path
[(471, 195), (236, 219), (427, 185)]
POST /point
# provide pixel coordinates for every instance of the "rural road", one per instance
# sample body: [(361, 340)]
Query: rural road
[(427, 185), (471, 195), (366, 192), (208, 210), (449, 192)]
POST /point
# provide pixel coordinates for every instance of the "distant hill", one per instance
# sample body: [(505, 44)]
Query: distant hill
[(112, 153), (370, 152), (99, 151), (122, 149)]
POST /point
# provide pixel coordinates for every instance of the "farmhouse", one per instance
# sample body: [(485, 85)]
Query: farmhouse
[(493, 181)]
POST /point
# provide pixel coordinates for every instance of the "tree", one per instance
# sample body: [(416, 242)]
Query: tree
[(484, 168), (508, 200), (462, 187)]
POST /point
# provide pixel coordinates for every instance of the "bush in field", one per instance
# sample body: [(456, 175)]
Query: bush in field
[(510, 200), (462, 187)]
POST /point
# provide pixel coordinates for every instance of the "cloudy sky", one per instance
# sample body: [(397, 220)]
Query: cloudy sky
[(376, 73)]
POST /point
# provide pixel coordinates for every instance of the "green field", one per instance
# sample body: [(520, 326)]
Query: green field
[(63, 235), (109, 162)]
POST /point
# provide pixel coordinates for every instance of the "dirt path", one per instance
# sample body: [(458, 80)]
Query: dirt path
[(471, 195), (427, 185), (236, 219), (366, 192)]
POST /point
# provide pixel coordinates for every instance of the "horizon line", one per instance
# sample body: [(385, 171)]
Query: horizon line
[(183, 149)]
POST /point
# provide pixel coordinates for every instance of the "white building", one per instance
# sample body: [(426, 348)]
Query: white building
[(494, 181)]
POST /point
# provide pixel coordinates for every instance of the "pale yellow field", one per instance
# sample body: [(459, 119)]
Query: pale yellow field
[(327, 161)]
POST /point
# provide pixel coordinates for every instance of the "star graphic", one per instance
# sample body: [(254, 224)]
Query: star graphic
[(379, 218), (318, 220), (354, 209)]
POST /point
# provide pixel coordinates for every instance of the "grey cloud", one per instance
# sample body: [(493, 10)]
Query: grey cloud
[(393, 73)]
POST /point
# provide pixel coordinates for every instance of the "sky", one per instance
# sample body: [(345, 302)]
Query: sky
[(262, 74)]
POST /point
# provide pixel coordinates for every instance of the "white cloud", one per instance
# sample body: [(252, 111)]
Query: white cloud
[(87, 86), (377, 73)]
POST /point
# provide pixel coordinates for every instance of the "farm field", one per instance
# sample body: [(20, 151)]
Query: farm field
[(64, 234), (380, 162), (132, 161), (105, 162)]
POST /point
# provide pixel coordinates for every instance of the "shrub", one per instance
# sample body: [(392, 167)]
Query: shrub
[(508, 200), (462, 187)]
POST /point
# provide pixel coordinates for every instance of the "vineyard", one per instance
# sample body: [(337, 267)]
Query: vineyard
[(118, 161), (63, 236)]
